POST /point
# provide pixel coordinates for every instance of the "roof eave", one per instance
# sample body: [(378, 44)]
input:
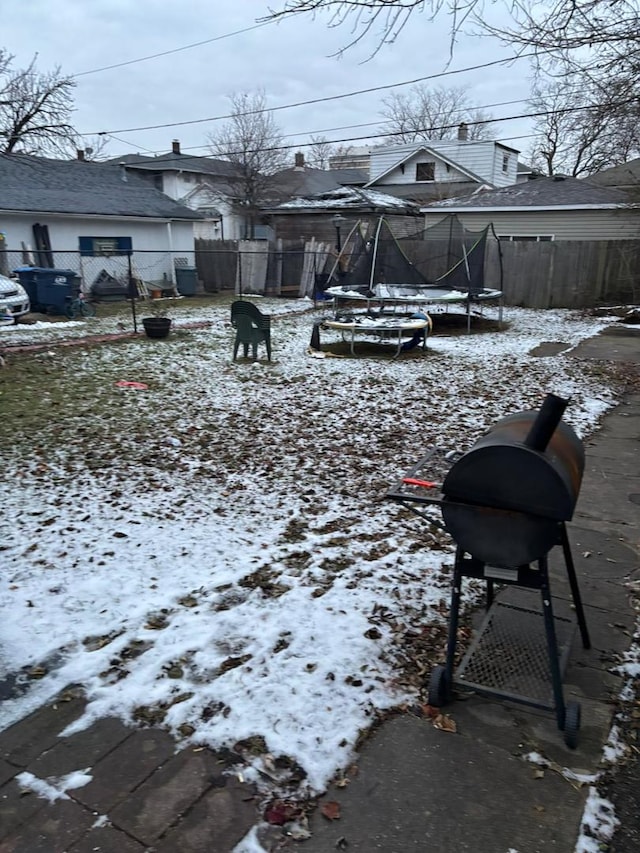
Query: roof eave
[(515, 208), (92, 214)]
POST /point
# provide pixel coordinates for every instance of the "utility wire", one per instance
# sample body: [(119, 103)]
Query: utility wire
[(320, 130), (173, 50), (311, 101), (425, 142)]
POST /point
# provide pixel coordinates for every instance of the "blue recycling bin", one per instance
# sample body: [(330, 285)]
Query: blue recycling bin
[(49, 289)]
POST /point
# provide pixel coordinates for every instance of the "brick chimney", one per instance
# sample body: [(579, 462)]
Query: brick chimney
[(80, 154), (463, 132), (299, 160), (175, 146)]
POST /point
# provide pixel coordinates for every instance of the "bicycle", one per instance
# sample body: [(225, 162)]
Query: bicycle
[(79, 306)]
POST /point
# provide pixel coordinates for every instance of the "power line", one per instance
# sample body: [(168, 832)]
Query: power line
[(538, 114), (173, 50), (377, 123), (132, 144), (317, 100)]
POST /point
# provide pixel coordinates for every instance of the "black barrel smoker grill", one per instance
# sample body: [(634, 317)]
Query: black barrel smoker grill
[(505, 503)]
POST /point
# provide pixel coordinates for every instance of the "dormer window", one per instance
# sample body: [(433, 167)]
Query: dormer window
[(425, 171)]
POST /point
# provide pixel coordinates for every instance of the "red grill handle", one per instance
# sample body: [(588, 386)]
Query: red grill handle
[(426, 484)]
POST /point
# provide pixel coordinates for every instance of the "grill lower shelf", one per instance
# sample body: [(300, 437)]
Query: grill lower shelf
[(509, 657)]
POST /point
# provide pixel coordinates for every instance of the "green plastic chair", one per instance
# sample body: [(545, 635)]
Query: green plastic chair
[(252, 328)]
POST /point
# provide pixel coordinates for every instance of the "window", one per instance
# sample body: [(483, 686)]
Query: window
[(105, 247), (425, 171), (505, 162), (157, 182)]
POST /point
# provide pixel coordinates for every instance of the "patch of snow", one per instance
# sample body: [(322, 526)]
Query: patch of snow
[(54, 788), (250, 843), (599, 823), (231, 581)]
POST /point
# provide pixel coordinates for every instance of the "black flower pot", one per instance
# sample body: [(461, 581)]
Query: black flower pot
[(156, 327)]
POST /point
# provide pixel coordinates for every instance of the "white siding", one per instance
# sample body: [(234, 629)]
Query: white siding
[(482, 158), (560, 224), (155, 243), (231, 226), (406, 174)]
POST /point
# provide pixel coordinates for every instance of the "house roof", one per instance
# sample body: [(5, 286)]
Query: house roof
[(557, 191), (432, 152), (79, 187), (175, 162), (625, 176), (306, 181), (425, 193), (349, 198)]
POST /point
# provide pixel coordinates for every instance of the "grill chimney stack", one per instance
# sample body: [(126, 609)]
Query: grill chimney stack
[(80, 154), (546, 421), (175, 146), (299, 160), (463, 132)]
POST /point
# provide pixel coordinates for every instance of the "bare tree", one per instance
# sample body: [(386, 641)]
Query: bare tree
[(425, 113), (94, 148), (319, 152), (252, 142), (387, 16), (35, 109), (581, 128), (560, 27), (600, 37)]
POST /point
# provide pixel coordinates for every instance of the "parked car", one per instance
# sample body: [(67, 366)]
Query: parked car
[(14, 301)]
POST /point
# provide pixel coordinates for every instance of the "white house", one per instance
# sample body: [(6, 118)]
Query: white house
[(442, 168), (80, 215), (204, 184)]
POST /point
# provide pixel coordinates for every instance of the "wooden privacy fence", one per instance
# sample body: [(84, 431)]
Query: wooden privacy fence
[(566, 273), (553, 274)]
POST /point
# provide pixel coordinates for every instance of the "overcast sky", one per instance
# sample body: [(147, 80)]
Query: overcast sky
[(291, 60)]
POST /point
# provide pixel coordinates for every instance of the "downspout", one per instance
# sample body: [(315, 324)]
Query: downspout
[(173, 266)]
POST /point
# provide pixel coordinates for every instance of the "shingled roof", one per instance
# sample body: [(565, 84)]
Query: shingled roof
[(39, 185), (306, 180), (557, 191), (177, 162), (349, 198), (626, 176)]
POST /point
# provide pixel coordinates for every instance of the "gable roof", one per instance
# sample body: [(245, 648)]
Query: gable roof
[(79, 187), (175, 162), (432, 152), (556, 192), (625, 176), (349, 198)]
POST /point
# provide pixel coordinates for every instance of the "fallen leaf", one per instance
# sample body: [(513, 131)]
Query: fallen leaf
[(430, 711), (538, 774), (280, 812), (331, 810), (445, 723)]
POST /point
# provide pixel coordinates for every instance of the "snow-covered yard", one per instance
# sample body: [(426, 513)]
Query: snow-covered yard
[(215, 553)]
